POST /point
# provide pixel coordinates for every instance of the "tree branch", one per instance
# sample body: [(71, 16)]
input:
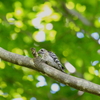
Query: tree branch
[(75, 13), (40, 66)]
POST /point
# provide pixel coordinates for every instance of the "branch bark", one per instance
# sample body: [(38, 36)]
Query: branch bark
[(75, 13), (40, 66)]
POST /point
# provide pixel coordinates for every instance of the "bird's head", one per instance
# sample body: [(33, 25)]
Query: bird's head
[(42, 51)]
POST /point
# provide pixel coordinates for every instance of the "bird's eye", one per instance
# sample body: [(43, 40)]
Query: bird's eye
[(42, 50)]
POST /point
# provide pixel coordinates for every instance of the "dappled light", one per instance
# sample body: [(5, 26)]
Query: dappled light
[(20, 90), (3, 85), (88, 76), (97, 23), (99, 42), (2, 65), (91, 70), (18, 12), (80, 8), (51, 35), (18, 99), (94, 63), (19, 24), (36, 22), (33, 98), (17, 50), (80, 93), (70, 67), (69, 28), (95, 35), (39, 36), (79, 62), (80, 35), (41, 82), (45, 11), (13, 36), (49, 26), (70, 5), (27, 39), (54, 88)]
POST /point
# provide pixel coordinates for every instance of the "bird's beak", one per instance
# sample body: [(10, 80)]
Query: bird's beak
[(39, 52)]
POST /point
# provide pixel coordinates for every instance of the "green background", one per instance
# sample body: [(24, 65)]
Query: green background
[(70, 28)]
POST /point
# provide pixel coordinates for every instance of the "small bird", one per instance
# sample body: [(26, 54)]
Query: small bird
[(51, 59)]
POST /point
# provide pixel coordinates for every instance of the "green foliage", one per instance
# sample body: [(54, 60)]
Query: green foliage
[(48, 24)]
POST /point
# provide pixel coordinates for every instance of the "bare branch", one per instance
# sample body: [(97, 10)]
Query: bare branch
[(75, 13), (40, 66), (16, 58)]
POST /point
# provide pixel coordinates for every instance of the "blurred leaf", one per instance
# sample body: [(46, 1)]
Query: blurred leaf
[(58, 26)]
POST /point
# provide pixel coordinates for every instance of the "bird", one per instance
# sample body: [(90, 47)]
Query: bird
[(51, 59)]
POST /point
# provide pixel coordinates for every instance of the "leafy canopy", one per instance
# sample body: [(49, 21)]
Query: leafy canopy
[(70, 28)]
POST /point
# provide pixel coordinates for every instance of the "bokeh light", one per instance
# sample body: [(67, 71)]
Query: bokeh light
[(54, 88), (70, 67)]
